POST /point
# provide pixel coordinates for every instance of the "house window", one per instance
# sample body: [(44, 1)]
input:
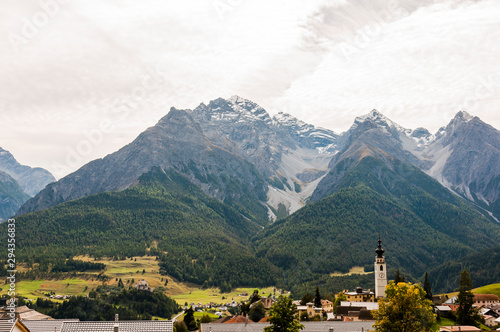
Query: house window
[(381, 268)]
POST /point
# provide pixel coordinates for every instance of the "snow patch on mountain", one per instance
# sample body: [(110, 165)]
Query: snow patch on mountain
[(295, 162), (292, 200), (440, 156)]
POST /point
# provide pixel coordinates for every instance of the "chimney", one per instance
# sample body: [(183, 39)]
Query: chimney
[(116, 317)]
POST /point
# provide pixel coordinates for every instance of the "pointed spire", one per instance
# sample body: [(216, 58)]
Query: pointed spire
[(379, 251)]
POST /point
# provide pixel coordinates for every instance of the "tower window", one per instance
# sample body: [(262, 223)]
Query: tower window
[(381, 268)]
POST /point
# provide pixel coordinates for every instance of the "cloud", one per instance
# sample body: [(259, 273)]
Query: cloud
[(322, 61), (428, 61)]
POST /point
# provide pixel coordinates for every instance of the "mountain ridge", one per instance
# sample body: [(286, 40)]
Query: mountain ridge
[(289, 161)]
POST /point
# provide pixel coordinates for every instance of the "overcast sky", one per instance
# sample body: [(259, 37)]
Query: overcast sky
[(81, 78)]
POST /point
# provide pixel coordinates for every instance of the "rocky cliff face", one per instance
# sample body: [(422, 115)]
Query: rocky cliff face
[(234, 151), (11, 196), (466, 159), (231, 148), (464, 156), (31, 180)]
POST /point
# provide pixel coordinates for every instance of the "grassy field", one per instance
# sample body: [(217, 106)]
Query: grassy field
[(488, 289), (353, 270), (130, 271), (38, 288), (204, 296)]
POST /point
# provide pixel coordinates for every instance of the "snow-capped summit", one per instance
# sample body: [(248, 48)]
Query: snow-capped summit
[(309, 135), (234, 109), (377, 118)]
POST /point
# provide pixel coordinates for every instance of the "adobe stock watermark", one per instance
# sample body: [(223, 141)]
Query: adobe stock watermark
[(363, 37), (486, 88), (124, 107), (221, 7), (31, 26), (11, 269)]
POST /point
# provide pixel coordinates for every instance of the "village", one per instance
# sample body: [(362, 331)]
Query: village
[(349, 310)]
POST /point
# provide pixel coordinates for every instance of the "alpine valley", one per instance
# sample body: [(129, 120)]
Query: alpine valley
[(226, 195)]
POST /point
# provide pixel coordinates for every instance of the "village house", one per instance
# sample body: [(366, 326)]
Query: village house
[(327, 306), (359, 295), (457, 328), (484, 299), (6, 325), (143, 286), (267, 302), (23, 313), (310, 309)]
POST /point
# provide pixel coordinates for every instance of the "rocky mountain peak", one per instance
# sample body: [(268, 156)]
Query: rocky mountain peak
[(377, 118), (234, 109), (31, 180)]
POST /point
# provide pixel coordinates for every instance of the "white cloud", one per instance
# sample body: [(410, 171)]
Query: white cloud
[(92, 56)]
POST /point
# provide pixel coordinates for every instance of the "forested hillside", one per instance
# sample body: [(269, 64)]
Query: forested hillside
[(199, 238), (421, 223), (483, 267)]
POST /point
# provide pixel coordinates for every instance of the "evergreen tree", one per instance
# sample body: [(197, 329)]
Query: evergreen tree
[(189, 319), (427, 287), (306, 299), (255, 296), (397, 278), (257, 312), (282, 316), (466, 314), (317, 298), (180, 327)]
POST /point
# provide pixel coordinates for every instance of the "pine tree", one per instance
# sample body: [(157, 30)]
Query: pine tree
[(397, 278), (466, 314), (317, 298), (427, 287)]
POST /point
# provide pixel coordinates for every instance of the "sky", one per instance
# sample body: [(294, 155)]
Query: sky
[(80, 79)]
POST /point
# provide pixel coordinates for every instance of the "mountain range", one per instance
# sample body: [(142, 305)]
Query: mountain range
[(311, 202), (282, 162), (18, 183)]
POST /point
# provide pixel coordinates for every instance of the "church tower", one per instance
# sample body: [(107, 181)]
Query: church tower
[(380, 271)]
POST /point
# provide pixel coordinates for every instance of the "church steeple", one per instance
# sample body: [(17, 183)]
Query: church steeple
[(380, 251), (380, 269)]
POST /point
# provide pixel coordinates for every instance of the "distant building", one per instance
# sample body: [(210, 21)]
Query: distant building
[(122, 326), (7, 325), (23, 313), (359, 295), (380, 270), (310, 309), (52, 325), (143, 286), (483, 299), (367, 305), (327, 306), (266, 302), (463, 328)]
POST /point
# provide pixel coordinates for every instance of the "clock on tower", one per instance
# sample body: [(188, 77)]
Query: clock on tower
[(380, 271)]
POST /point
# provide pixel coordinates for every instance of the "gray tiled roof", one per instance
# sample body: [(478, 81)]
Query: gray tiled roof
[(123, 326), (308, 327), (6, 325), (46, 325)]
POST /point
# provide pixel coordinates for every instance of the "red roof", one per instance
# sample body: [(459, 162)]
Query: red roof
[(239, 320), (486, 297), (264, 320)]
